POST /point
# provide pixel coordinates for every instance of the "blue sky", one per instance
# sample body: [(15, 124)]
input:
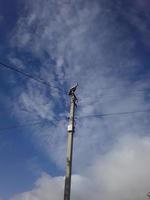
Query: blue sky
[(103, 45)]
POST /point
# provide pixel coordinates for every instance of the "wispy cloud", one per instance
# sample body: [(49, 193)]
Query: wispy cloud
[(87, 42)]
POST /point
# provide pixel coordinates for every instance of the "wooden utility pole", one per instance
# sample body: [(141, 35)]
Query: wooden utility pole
[(67, 188)]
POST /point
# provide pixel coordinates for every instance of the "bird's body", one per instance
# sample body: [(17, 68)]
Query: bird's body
[(73, 89)]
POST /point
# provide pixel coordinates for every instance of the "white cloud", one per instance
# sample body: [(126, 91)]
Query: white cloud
[(122, 173), (46, 187), (83, 43)]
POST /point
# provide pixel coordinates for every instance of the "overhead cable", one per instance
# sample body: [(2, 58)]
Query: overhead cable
[(16, 69), (21, 125), (114, 114)]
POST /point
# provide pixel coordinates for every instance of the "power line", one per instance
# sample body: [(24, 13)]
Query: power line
[(79, 117), (39, 80), (135, 92), (16, 69), (27, 124), (123, 87), (20, 126), (113, 114), (42, 81)]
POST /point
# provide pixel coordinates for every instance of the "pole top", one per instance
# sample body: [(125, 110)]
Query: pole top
[(73, 89)]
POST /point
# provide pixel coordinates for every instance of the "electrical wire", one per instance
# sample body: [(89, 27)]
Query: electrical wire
[(16, 69), (108, 96), (42, 81), (114, 114), (39, 80), (123, 87), (78, 117), (21, 125), (27, 124)]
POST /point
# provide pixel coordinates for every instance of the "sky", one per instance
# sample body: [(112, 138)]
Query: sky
[(102, 45)]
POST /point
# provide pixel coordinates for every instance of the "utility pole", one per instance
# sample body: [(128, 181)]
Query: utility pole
[(73, 99)]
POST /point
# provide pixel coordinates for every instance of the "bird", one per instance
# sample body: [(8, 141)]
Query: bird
[(73, 89)]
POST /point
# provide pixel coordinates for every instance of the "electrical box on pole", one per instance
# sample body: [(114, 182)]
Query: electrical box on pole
[(73, 99)]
